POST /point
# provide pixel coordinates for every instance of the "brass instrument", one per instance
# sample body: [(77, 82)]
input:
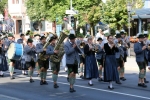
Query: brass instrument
[(82, 53), (60, 47), (43, 56)]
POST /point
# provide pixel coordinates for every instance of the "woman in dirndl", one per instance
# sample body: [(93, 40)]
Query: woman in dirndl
[(3, 61), (110, 64), (91, 69)]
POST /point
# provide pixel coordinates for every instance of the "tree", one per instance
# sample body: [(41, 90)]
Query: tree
[(115, 13), (89, 12), (3, 4), (36, 11), (55, 10)]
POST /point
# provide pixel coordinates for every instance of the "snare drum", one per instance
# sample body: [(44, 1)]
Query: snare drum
[(15, 51)]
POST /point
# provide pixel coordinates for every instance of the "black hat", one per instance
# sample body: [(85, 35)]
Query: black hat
[(37, 35), (99, 39), (141, 36), (118, 36), (22, 35), (122, 32), (42, 37), (72, 36), (146, 35), (29, 40)]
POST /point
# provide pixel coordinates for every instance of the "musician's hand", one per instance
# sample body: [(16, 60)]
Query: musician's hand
[(144, 47), (118, 67), (112, 45), (74, 45), (44, 49), (56, 51)]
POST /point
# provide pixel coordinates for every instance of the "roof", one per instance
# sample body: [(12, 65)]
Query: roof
[(143, 13)]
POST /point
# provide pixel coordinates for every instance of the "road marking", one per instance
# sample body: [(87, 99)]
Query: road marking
[(126, 94), (9, 97)]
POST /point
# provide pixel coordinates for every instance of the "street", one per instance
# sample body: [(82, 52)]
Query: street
[(21, 89)]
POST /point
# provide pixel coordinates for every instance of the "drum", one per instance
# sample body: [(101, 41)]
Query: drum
[(15, 51)]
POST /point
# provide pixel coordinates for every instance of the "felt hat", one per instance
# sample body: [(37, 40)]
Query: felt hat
[(99, 39), (72, 36), (29, 40), (118, 36)]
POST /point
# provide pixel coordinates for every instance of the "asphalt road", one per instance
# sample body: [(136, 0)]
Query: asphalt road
[(21, 89)]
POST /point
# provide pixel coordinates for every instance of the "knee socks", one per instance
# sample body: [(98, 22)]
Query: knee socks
[(54, 76), (72, 80)]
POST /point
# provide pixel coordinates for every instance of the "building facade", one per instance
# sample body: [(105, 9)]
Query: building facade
[(22, 23)]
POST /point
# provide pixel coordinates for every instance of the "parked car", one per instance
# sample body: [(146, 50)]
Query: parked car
[(133, 39)]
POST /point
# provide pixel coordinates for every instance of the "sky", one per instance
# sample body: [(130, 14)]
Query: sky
[(104, 1), (147, 4)]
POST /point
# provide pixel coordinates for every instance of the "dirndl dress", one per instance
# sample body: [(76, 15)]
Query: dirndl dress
[(91, 69)]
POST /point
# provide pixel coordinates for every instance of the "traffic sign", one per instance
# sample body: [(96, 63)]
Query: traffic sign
[(71, 12)]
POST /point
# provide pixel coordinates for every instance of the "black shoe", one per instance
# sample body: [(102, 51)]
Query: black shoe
[(110, 88), (45, 83), (90, 84), (2, 75), (68, 79), (139, 84), (146, 80), (14, 72), (100, 79), (56, 86), (31, 80), (12, 77), (41, 83), (118, 82), (143, 85), (72, 90), (122, 78), (25, 74), (38, 75), (82, 77)]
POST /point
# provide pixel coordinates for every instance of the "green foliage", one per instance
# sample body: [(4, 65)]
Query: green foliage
[(55, 9), (3, 4), (115, 12), (35, 10), (89, 11)]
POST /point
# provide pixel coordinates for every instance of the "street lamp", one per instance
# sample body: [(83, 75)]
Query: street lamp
[(129, 7)]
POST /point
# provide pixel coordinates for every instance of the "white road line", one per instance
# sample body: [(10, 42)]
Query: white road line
[(8, 97), (131, 95)]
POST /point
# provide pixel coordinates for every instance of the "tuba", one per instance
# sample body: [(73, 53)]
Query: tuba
[(42, 56), (60, 47)]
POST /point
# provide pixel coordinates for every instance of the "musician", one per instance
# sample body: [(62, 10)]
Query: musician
[(11, 61), (126, 46), (30, 57), (140, 49), (3, 62), (110, 63), (21, 63), (81, 43), (146, 42), (119, 57), (100, 57), (72, 59), (43, 64), (55, 66), (91, 69), (36, 40)]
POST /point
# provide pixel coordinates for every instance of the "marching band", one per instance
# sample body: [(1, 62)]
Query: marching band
[(103, 59)]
